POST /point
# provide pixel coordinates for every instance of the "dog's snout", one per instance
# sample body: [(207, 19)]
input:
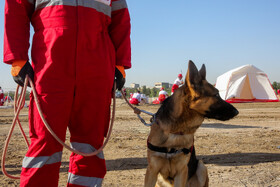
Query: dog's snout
[(236, 112)]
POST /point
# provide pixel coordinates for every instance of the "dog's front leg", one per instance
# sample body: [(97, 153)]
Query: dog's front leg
[(181, 178), (151, 177)]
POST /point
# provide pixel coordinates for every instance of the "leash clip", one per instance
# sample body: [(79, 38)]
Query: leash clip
[(144, 122)]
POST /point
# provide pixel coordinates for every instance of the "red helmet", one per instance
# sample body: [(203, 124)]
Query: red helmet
[(180, 75), (161, 89)]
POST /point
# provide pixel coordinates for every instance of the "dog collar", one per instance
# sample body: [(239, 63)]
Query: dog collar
[(170, 151)]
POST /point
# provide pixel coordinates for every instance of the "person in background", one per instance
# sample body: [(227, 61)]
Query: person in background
[(144, 99), (136, 98), (1, 96), (177, 83), (162, 95), (8, 99), (124, 91), (79, 49)]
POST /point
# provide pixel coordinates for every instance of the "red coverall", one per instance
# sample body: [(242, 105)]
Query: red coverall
[(76, 46), (1, 98)]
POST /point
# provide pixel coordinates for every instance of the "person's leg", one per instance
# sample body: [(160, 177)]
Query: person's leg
[(42, 161), (91, 109), (88, 126), (53, 57)]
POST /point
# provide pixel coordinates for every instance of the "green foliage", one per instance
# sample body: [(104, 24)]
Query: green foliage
[(130, 90), (154, 92), (276, 85), (168, 90), (146, 91)]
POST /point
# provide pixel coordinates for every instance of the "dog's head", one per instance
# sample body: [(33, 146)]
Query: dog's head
[(204, 98)]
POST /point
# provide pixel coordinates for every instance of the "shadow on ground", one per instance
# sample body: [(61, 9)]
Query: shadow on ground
[(240, 159), (226, 126), (232, 159)]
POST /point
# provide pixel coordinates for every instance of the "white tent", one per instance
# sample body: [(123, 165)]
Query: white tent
[(245, 84)]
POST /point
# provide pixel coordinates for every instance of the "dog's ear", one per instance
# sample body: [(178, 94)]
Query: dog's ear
[(202, 72), (192, 77)]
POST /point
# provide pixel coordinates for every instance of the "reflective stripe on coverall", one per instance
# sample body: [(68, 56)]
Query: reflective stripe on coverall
[(76, 45)]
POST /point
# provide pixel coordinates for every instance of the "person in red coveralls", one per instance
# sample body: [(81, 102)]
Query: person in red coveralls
[(162, 95), (1, 97), (79, 48), (177, 83), (135, 98)]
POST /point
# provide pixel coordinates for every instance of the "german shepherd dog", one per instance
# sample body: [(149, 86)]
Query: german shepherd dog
[(171, 140)]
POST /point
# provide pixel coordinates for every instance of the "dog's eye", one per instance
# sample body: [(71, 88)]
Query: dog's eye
[(217, 95), (195, 98)]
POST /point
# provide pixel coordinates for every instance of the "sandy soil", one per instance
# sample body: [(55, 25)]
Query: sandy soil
[(244, 151)]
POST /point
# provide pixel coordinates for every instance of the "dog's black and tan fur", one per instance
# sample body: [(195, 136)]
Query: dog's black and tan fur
[(175, 124)]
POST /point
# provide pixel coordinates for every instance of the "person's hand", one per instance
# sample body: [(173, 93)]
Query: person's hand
[(119, 77), (21, 68)]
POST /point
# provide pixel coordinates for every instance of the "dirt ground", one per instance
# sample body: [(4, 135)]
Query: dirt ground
[(244, 151)]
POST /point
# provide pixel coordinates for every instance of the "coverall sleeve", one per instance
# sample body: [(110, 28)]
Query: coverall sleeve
[(119, 30), (17, 29)]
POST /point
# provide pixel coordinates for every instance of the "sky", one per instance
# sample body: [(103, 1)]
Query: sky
[(165, 35)]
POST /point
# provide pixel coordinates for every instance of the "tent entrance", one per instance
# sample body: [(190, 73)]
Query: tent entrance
[(246, 91)]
